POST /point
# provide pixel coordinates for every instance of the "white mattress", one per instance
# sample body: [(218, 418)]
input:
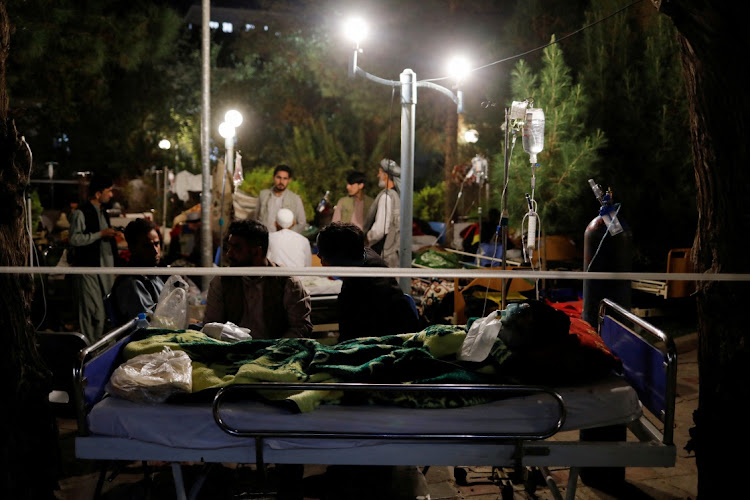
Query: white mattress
[(192, 426)]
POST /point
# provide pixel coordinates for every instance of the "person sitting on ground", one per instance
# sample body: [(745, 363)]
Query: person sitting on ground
[(367, 306), (185, 241), (132, 294), (286, 247), (270, 306)]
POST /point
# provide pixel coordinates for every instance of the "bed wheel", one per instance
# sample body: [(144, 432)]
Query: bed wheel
[(460, 475), (506, 492), (532, 477)]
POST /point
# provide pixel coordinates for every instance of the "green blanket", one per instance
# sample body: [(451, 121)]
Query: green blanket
[(428, 356)]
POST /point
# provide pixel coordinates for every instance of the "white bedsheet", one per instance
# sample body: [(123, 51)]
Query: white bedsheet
[(608, 402), (321, 285)]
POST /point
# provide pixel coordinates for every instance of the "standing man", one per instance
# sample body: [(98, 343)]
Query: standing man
[(133, 294), (382, 225), (270, 201), (270, 306), (93, 244), (285, 247), (354, 207)]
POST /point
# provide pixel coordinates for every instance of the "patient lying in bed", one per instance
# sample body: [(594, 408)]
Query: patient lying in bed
[(551, 353)]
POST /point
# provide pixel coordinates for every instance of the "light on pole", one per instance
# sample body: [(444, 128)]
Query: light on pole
[(356, 30), (228, 130), (164, 144)]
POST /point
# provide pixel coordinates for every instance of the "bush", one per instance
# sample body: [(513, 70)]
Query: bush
[(428, 203)]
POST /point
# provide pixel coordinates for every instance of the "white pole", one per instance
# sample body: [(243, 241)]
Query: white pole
[(408, 109), (206, 238), (164, 201)]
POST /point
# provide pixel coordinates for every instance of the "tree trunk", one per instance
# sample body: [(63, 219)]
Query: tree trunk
[(29, 445), (713, 38)]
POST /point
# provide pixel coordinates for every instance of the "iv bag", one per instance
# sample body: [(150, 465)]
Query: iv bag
[(533, 133), (238, 177)]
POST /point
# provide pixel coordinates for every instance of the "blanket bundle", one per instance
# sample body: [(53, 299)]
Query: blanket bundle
[(428, 356)]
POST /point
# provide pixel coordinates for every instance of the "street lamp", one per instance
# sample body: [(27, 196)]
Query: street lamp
[(164, 144), (228, 130), (356, 30), (471, 136)]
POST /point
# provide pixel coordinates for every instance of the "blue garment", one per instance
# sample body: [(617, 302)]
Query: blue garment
[(490, 250), (133, 294)]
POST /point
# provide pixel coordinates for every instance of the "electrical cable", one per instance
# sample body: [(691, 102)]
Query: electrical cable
[(33, 252), (453, 212), (542, 47), (388, 200), (601, 242)]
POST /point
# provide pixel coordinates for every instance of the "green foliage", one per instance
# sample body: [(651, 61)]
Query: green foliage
[(570, 155), (36, 207), (429, 202), (91, 81)]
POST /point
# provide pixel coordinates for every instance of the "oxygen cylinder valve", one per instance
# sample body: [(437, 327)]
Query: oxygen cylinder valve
[(607, 212)]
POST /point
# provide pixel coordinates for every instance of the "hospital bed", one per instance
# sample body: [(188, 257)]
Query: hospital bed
[(518, 430)]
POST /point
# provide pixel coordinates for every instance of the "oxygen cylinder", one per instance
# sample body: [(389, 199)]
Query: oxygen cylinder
[(605, 252)]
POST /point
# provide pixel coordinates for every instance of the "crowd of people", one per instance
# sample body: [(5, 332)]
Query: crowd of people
[(363, 232)]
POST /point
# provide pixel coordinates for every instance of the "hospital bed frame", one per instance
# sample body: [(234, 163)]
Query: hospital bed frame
[(649, 359)]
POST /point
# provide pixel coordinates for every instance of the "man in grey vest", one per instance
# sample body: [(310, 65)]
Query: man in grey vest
[(382, 224)]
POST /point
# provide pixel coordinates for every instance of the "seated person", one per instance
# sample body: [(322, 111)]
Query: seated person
[(185, 242), (270, 306), (367, 306), (286, 247), (133, 294)]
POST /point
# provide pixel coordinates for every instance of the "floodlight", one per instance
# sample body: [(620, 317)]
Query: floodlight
[(233, 118), (226, 130), (459, 68), (355, 29), (471, 136)]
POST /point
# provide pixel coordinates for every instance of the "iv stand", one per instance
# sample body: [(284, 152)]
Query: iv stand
[(504, 213)]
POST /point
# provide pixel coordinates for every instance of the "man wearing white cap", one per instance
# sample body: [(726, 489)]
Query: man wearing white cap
[(286, 247), (382, 225)]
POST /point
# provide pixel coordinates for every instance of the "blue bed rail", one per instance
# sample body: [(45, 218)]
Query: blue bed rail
[(650, 367), (98, 361)]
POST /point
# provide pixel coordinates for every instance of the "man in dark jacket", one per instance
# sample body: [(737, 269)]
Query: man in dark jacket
[(368, 306), (93, 244)]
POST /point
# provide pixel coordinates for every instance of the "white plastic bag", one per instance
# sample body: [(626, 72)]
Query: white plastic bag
[(228, 332), (171, 310), (152, 378), (481, 337)]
